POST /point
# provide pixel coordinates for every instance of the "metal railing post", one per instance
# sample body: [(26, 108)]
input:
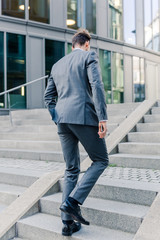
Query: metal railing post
[(9, 107)]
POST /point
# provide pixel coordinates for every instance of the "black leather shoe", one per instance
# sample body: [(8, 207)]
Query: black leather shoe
[(68, 229), (73, 211)]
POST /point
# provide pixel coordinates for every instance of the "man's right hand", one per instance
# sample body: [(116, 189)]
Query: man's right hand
[(102, 129)]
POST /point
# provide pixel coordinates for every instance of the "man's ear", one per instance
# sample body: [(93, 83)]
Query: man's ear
[(72, 48), (87, 45)]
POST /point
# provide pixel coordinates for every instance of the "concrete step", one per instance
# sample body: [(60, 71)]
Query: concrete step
[(20, 238), (139, 148), (148, 127), (30, 136), (155, 118), (4, 118), (39, 121), (34, 145), (9, 193), (121, 109), (22, 122), (47, 129), (33, 129), (31, 114), (5, 123), (155, 110), (35, 155), (19, 177), (121, 106), (47, 227), (152, 137), (122, 190), (116, 215), (135, 161), (116, 119)]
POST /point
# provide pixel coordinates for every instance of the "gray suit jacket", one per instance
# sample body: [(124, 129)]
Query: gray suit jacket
[(75, 92)]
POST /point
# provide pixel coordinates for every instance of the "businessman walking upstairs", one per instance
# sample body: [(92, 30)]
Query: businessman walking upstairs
[(75, 99)]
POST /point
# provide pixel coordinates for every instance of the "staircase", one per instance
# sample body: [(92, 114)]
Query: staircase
[(120, 199), (142, 150)]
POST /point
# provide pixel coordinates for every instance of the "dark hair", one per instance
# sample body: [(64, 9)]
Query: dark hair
[(81, 37)]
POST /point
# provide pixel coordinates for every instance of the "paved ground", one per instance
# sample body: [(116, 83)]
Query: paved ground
[(31, 164), (134, 174)]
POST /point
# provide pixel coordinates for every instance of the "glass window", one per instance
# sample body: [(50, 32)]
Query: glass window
[(138, 79), (155, 24), (1, 68), (54, 51), (39, 10), (115, 19), (148, 23), (129, 21), (16, 69), (13, 8), (73, 14), (105, 63), (81, 13), (117, 73), (91, 15)]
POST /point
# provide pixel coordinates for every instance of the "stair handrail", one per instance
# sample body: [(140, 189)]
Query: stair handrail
[(20, 86)]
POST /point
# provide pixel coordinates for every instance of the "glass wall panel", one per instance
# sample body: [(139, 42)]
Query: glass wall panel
[(54, 50), (13, 8), (115, 19), (148, 23), (138, 79), (91, 15), (39, 10), (73, 14), (129, 21), (1, 68), (81, 13), (69, 48), (105, 63), (155, 25), (16, 69), (117, 73)]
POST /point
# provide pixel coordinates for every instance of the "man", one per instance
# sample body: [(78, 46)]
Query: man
[(76, 101)]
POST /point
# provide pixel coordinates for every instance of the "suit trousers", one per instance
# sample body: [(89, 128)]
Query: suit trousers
[(70, 135)]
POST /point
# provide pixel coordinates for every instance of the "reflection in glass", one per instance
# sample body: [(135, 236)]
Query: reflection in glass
[(155, 24), (16, 69), (54, 51), (1, 69), (129, 21), (69, 48), (115, 19), (81, 9), (73, 14), (105, 63), (39, 10), (138, 79), (148, 23), (91, 15), (117, 73), (13, 8)]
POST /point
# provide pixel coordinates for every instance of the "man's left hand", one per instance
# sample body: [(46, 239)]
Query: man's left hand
[(102, 129)]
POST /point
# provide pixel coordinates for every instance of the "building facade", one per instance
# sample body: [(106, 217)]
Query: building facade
[(36, 34)]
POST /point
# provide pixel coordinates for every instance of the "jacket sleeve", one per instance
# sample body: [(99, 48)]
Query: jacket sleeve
[(50, 95), (95, 80)]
